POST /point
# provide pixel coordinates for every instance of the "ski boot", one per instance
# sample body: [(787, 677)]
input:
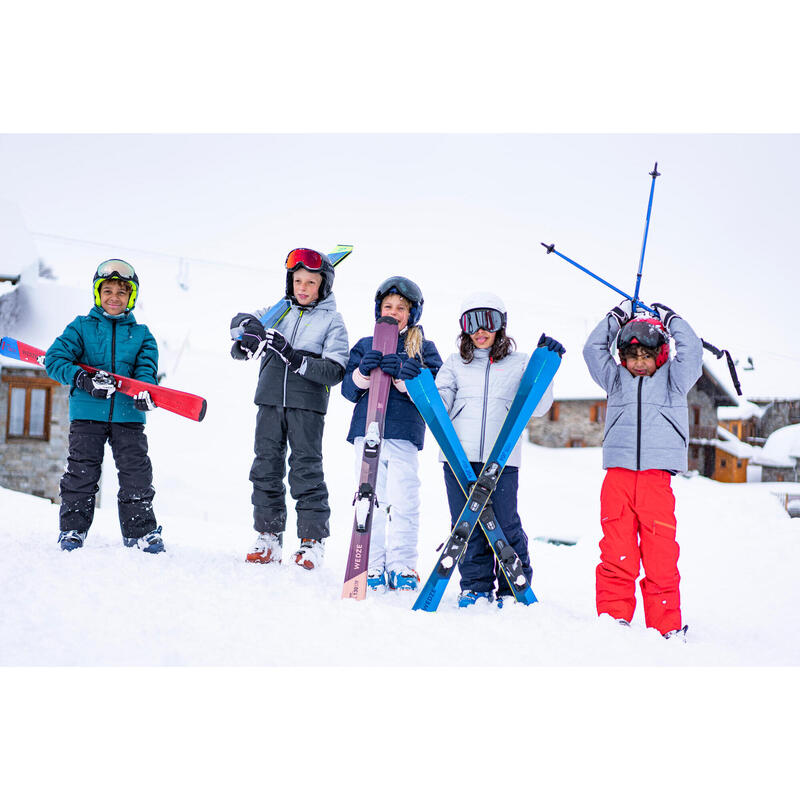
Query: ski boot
[(267, 549), (469, 597), (376, 581), (679, 634), (404, 580), (310, 554), (72, 540), (149, 543)]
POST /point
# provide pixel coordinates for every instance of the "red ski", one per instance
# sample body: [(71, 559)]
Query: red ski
[(187, 405)]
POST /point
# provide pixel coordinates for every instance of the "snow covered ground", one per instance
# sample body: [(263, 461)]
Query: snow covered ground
[(200, 604)]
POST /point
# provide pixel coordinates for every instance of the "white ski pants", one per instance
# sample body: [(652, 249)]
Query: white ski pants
[(397, 491)]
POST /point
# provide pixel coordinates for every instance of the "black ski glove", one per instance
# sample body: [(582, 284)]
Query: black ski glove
[(667, 314), (551, 344), (622, 312), (278, 344), (143, 401), (370, 360), (391, 364), (249, 336), (410, 369), (100, 385)]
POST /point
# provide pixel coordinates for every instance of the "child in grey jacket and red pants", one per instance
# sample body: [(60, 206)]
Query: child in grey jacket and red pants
[(645, 443)]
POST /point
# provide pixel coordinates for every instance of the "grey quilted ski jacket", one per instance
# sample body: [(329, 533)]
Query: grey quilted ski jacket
[(477, 397), (647, 418), (319, 334)]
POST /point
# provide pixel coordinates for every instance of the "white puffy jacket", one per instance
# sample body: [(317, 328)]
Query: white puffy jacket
[(477, 397)]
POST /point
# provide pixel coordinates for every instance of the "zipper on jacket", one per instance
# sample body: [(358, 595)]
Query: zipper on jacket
[(286, 366), (485, 404), (639, 425), (113, 364)]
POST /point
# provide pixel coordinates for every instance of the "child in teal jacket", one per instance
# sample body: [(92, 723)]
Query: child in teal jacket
[(109, 339)]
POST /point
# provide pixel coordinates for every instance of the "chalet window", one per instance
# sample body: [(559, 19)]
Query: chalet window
[(575, 443), (597, 412), (723, 462), (696, 415), (738, 463), (29, 402), (554, 412)]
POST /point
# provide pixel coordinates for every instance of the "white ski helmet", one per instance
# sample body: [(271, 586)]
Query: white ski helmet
[(482, 300), (482, 310)]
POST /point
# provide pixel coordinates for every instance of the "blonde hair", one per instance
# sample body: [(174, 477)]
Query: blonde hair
[(414, 336)]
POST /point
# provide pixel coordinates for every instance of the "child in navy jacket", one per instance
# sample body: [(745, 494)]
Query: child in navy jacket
[(393, 557)]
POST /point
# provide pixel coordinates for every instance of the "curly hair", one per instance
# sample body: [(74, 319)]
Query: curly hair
[(632, 349), (502, 346)]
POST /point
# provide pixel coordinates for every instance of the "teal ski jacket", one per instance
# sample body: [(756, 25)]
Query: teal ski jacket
[(114, 344)]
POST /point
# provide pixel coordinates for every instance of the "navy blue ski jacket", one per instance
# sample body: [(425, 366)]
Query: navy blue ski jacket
[(403, 421)]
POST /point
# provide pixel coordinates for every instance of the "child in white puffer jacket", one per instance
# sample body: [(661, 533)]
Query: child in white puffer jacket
[(477, 386)]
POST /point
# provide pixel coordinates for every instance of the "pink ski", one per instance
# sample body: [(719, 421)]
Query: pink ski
[(355, 576)]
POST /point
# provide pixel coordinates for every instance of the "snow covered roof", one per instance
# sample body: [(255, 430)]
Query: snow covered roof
[(730, 443), (33, 310), (745, 410), (773, 376), (782, 448)]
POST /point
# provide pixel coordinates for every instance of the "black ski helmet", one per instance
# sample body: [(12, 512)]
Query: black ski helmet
[(405, 288), (648, 332), (115, 269), (313, 261)]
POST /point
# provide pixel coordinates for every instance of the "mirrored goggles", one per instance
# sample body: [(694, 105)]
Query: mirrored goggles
[(303, 257), (487, 319), (116, 267), (639, 331)]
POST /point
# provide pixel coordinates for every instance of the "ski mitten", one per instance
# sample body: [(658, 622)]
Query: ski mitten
[(100, 385), (276, 342), (391, 364), (410, 369), (143, 401), (369, 361), (622, 312), (551, 344), (667, 314), (249, 336)]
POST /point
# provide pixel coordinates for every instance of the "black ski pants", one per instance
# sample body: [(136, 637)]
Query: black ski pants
[(302, 431), (79, 484), (478, 567)]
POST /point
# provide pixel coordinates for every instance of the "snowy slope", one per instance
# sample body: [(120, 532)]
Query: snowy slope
[(200, 604)]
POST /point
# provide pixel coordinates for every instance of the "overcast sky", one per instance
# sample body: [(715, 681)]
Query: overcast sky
[(457, 213)]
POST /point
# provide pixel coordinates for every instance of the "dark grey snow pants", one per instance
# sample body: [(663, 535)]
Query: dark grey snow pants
[(302, 431)]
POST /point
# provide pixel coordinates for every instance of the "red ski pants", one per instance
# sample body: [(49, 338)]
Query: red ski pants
[(637, 513)]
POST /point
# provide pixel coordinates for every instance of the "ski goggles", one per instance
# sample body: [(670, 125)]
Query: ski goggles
[(640, 331), (303, 257), (402, 286), (116, 268), (487, 319)]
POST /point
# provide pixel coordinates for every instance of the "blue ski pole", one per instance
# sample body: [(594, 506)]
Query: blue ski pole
[(551, 248), (654, 174)]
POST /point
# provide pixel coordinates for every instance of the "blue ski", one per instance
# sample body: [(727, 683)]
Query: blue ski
[(538, 375), (423, 392)]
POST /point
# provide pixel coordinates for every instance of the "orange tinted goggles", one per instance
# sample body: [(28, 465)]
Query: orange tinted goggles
[(303, 257)]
